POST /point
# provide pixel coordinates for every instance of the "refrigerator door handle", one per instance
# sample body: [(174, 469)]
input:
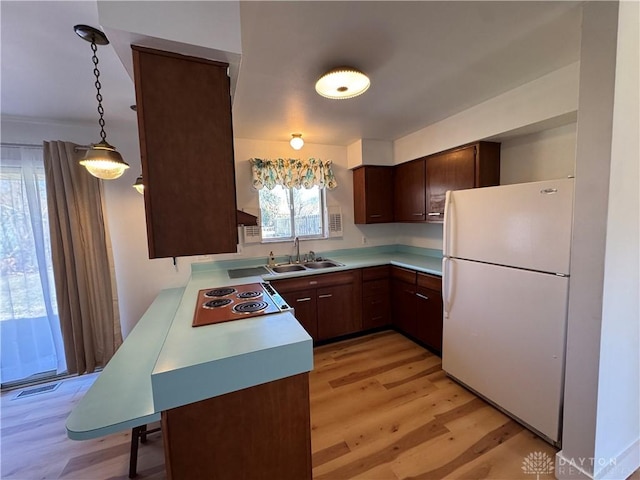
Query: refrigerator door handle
[(446, 234), (446, 277)]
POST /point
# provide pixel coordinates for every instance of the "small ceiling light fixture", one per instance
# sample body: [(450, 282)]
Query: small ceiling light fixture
[(101, 160), (139, 186), (342, 82), (296, 141)]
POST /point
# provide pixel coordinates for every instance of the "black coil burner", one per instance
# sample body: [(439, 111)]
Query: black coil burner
[(220, 302), (250, 307), (220, 292), (250, 294)]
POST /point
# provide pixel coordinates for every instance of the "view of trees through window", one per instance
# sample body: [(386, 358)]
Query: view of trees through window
[(30, 336), (20, 281), (291, 212)]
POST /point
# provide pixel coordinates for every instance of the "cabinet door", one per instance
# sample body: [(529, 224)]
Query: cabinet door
[(304, 306), (453, 170), (429, 310), (186, 148), (409, 191), (403, 300), (338, 311), (373, 194)]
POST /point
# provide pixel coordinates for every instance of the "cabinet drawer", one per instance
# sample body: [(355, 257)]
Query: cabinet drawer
[(375, 288), (430, 281), (316, 281), (376, 312), (374, 273), (404, 275)]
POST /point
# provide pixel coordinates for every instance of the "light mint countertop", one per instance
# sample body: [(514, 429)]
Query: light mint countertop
[(166, 363), (415, 258), (121, 397)]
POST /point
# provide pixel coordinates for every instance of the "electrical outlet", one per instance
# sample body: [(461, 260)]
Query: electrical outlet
[(239, 250), (364, 240)]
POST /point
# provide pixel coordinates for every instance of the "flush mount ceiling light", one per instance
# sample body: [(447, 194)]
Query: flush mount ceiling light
[(342, 82), (101, 160), (296, 141), (139, 186)]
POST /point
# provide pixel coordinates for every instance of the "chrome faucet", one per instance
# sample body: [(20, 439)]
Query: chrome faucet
[(296, 245)]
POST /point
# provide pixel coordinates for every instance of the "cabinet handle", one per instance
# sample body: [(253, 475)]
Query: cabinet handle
[(375, 302), (377, 318), (305, 299), (422, 296), (409, 291), (418, 214), (434, 214), (375, 216), (313, 282), (326, 295)]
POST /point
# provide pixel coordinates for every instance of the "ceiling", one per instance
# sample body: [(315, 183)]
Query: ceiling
[(426, 60)]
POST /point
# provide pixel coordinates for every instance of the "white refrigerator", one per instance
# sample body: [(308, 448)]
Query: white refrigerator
[(505, 292)]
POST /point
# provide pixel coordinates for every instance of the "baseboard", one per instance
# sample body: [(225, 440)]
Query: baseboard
[(617, 468)]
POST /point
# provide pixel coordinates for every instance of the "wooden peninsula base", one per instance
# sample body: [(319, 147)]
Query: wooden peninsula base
[(261, 432)]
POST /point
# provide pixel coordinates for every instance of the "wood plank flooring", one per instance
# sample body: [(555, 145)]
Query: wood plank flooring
[(381, 409)]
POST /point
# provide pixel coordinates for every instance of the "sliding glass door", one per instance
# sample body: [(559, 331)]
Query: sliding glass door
[(30, 335)]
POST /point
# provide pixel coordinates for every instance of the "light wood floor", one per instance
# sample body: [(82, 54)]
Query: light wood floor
[(381, 408)]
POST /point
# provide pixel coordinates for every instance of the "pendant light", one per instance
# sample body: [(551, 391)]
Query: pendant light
[(139, 186), (101, 160), (296, 141), (342, 82)]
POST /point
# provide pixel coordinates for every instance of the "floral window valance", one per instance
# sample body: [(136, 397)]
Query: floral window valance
[(292, 172)]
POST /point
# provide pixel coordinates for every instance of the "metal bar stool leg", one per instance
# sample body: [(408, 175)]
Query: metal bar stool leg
[(138, 433), (133, 456)]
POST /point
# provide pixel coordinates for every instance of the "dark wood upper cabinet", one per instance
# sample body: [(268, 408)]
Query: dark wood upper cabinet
[(373, 194), (476, 165), (186, 147), (409, 191)]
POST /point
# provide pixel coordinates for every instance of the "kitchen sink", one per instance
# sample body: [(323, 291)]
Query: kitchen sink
[(301, 267), (323, 264), (287, 268)]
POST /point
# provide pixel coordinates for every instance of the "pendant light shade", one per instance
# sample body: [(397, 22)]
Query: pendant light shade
[(139, 186), (342, 83), (101, 160), (296, 141)]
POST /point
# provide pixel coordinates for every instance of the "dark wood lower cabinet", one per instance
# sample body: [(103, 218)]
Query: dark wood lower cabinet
[(429, 313), (417, 303), (262, 432), (305, 310), (338, 313), (403, 296), (332, 305), (376, 297), (326, 305)]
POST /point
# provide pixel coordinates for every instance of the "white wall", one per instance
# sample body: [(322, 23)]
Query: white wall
[(618, 426), (600, 425), (545, 155), (551, 96)]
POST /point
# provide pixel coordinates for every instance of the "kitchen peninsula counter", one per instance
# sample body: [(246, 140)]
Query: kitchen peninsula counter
[(164, 362), (166, 366)]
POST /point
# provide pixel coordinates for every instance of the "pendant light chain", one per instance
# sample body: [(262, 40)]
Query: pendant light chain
[(96, 72)]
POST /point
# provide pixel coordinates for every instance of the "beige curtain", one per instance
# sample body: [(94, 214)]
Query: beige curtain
[(90, 330)]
